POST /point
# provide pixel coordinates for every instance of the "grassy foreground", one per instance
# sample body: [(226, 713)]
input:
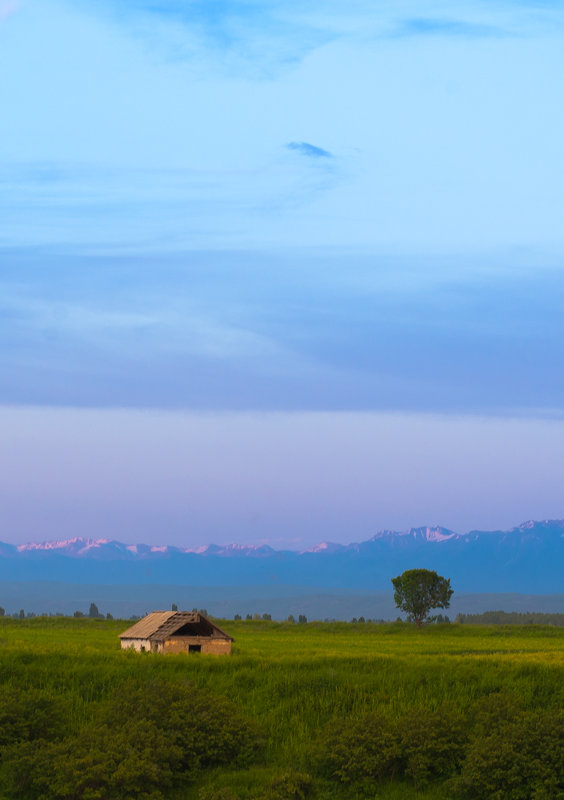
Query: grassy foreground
[(294, 681)]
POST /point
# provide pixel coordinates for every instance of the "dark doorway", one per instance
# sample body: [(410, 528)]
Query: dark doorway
[(194, 648)]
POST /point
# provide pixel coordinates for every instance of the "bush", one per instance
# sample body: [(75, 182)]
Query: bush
[(139, 743), (521, 759), (421, 746), (364, 748), (208, 729), (216, 794), (101, 763), (494, 710), (289, 786), (432, 744), (29, 715)]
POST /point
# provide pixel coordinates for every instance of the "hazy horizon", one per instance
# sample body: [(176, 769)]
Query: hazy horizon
[(291, 480)]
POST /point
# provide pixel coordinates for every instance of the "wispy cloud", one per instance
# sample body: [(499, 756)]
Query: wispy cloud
[(253, 37), (275, 34), (169, 326), (309, 150), (148, 207), (234, 330), (430, 26), (266, 38)]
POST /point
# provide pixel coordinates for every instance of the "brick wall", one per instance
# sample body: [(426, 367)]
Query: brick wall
[(181, 644)]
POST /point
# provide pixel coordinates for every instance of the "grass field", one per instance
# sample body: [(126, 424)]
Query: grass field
[(294, 680)]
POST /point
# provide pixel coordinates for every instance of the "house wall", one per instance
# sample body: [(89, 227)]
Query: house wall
[(139, 645), (218, 647), (181, 644)]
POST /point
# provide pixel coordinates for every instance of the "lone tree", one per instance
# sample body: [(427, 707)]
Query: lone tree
[(417, 591)]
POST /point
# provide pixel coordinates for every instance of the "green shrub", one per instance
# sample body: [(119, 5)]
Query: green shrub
[(141, 741), (216, 794), (521, 759), (494, 710), (366, 747), (431, 743), (101, 763), (30, 714), (207, 729), (290, 785), (421, 745)]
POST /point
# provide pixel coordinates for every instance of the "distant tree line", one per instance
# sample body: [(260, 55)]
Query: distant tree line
[(510, 618), (438, 619), (93, 613), (268, 618)]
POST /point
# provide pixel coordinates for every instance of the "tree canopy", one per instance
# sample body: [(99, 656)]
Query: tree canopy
[(417, 591)]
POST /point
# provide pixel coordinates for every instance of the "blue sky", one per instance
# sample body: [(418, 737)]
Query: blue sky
[(284, 210)]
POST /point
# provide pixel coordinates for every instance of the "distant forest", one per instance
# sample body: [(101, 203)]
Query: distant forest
[(510, 618)]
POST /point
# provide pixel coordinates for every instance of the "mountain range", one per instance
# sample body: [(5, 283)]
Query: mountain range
[(527, 559)]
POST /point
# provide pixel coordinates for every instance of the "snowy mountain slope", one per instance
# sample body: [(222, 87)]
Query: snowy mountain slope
[(527, 558)]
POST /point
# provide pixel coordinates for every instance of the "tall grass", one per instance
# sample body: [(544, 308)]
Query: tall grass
[(295, 679)]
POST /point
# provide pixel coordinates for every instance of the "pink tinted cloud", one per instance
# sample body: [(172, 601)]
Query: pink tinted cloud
[(8, 8)]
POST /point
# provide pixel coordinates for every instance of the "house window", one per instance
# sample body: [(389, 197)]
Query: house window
[(194, 648)]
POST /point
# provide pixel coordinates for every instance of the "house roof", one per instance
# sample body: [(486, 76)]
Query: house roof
[(159, 625), (147, 626)]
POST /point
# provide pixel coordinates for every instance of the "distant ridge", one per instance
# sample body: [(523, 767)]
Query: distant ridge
[(527, 558), (80, 546)]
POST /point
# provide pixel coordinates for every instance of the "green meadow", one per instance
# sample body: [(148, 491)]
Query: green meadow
[(321, 710)]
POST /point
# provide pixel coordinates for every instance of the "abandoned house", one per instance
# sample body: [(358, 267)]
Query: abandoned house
[(176, 632)]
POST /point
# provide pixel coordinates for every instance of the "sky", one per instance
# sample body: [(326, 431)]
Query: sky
[(279, 272)]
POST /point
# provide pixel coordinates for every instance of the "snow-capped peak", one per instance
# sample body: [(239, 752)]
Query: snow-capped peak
[(425, 533), (231, 550), (531, 524), (323, 547), (78, 543), (434, 534), (198, 550)]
